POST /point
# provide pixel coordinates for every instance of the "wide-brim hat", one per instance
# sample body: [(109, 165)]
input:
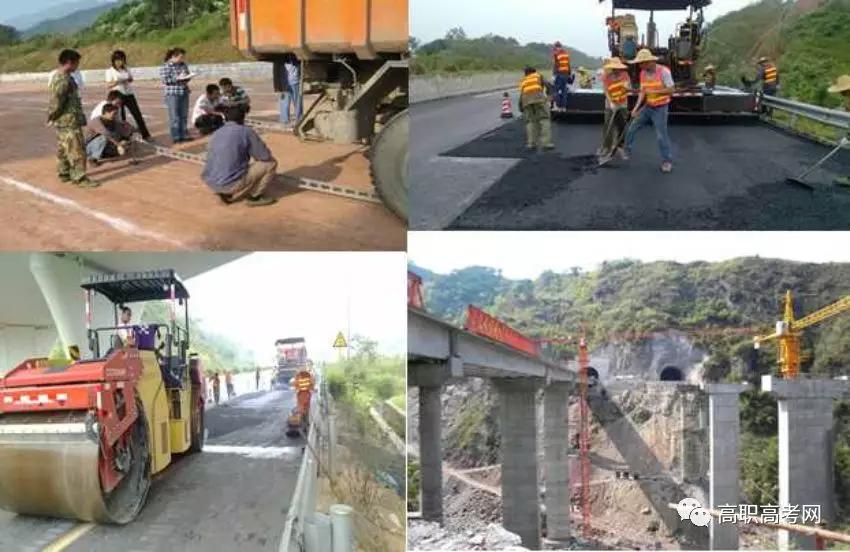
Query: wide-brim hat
[(614, 63), (709, 68), (644, 55), (842, 84), (763, 59)]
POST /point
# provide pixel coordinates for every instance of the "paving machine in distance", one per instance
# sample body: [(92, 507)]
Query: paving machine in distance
[(680, 52), (82, 438), (354, 61), (291, 355)]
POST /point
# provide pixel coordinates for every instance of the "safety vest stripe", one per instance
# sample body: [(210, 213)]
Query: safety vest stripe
[(655, 82), (563, 62), (771, 74), (531, 84), (618, 92)]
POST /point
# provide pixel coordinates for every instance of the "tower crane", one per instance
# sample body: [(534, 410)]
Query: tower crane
[(789, 331)]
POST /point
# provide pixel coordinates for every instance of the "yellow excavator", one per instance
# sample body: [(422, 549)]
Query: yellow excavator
[(789, 331)]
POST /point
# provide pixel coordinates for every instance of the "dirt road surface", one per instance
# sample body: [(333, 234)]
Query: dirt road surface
[(162, 204), (233, 496)]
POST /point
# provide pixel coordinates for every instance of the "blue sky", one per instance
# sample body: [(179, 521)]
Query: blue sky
[(577, 23)]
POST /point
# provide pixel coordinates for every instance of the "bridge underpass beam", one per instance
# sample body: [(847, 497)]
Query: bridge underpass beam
[(806, 449), (724, 451), (518, 426), (556, 439), (429, 378)]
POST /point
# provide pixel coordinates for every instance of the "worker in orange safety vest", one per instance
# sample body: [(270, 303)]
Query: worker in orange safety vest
[(534, 105), (561, 71), (768, 74), (304, 385), (653, 103)]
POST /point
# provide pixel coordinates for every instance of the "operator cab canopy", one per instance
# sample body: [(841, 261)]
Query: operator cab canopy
[(660, 5), (134, 287)]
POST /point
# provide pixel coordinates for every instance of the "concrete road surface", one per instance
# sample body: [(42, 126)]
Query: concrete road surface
[(162, 203), (233, 496), (470, 170)]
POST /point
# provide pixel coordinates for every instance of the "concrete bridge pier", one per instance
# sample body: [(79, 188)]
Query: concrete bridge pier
[(806, 455), (556, 467), (724, 453), (429, 378), (518, 425)]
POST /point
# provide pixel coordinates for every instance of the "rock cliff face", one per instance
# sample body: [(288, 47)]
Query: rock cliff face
[(669, 355)]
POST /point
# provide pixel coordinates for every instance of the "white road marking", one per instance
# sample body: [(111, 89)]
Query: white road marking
[(254, 452), (116, 223)]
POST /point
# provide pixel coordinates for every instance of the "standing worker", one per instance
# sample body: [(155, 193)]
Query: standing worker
[(616, 84), (228, 380), (653, 104), (119, 79), (65, 113), (304, 390), (842, 86), (561, 71), (768, 74), (175, 76), (710, 76), (216, 386), (257, 377), (291, 90), (534, 105)]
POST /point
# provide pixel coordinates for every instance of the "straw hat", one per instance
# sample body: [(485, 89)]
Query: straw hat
[(614, 63), (644, 55), (841, 85), (763, 59), (709, 69)]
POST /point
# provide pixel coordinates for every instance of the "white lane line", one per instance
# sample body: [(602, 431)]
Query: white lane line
[(116, 223), (254, 452)]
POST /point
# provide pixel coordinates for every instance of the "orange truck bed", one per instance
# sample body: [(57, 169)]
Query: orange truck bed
[(310, 28)]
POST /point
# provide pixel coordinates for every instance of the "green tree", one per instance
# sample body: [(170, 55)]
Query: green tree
[(8, 35)]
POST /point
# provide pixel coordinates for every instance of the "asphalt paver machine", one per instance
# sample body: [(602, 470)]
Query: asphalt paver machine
[(81, 438)]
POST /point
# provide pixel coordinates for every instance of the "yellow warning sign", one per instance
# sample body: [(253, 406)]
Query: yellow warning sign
[(340, 342)]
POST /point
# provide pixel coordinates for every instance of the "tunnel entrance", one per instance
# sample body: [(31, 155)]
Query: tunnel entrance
[(671, 373)]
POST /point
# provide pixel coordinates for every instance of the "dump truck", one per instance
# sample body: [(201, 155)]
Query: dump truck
[(291, 355), (354, 61), (680, 52), (81, 438)]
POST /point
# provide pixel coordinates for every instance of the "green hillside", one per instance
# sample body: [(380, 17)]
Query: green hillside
[(630, 296), (808, 39), (142, 28), (456, 53)]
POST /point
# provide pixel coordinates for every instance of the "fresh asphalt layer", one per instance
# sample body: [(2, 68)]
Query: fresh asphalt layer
[(726, 176)]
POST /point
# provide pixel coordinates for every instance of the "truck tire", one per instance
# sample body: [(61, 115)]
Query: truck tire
[(389, 163)]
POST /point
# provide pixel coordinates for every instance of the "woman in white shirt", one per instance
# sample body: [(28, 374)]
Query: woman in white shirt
[(119, 77)]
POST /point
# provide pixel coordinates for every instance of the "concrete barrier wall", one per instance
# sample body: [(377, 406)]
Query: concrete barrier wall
[(237, 71), (436, 87)]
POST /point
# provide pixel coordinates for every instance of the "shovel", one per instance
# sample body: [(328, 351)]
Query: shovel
[(799, 181), (604, 161)]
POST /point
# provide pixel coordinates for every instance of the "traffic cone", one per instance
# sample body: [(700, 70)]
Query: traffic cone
[(507, 110)]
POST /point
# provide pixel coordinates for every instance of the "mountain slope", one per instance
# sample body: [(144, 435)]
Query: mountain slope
[(626, 296), (807, 38), (70, 23)]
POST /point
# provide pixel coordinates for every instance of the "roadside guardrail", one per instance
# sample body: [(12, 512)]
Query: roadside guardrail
[(835, 119)]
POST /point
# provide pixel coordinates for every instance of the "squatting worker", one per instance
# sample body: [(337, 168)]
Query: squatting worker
[(107, 137), (842, 86), (534, 105), (65, 113), (232, 95), (119, 78), (616, 84), (175, 76), (229, 171), (207, 115), (113, 97), (656, 92)]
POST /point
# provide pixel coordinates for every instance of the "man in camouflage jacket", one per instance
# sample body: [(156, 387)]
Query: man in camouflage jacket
[(65, 114)]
